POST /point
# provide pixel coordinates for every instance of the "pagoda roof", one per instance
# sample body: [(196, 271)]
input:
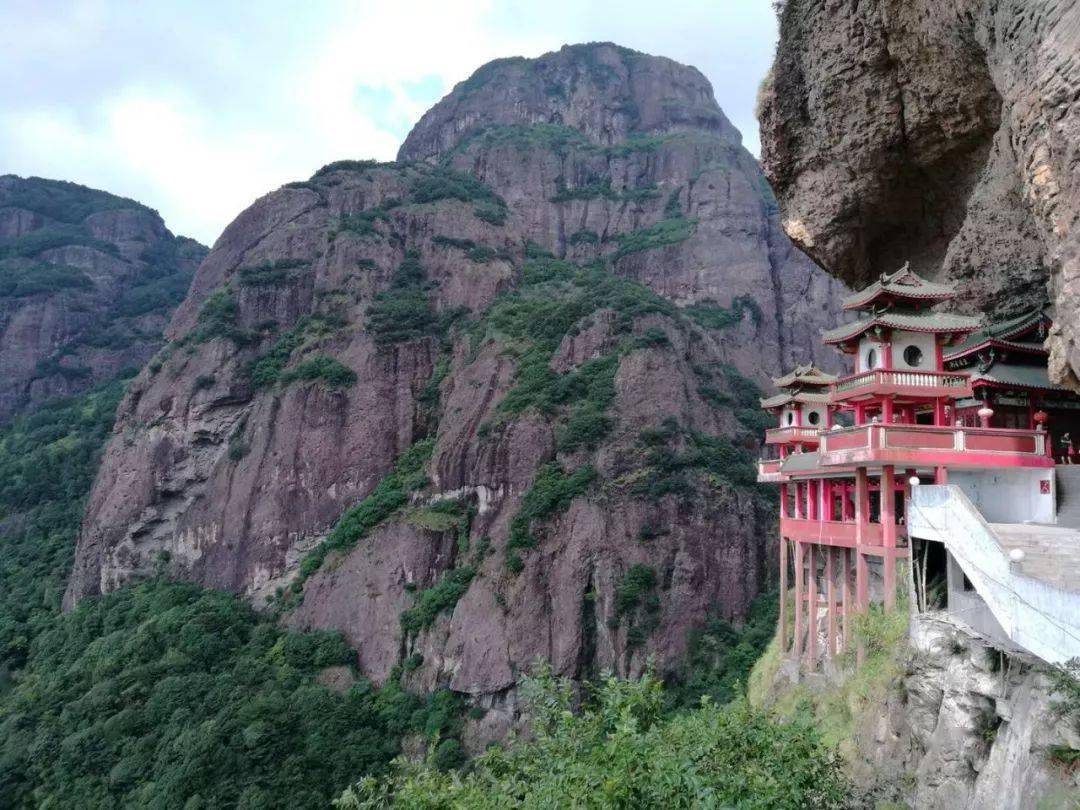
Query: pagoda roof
[(780, 400), (804, 375), (904, 283), (1005, 333), (904, 321), (1016, 376)]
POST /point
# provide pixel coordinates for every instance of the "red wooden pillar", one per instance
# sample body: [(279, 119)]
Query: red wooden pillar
[(783, 500), (830, 596), (847, 508), (783, 593), (812, 498), (887, 410), (799, 513), (828, 510), (796, 646), (845, 594), (939, 412), (812, 607), (888, 533), (862, 521)]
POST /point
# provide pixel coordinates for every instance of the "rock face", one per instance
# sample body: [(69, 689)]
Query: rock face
[(944, 133), (968, 728), (88, 282), (556, 304)]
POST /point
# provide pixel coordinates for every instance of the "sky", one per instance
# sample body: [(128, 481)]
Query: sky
[(198, 108)]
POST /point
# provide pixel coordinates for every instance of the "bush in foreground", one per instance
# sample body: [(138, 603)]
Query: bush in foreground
[(620, 752)]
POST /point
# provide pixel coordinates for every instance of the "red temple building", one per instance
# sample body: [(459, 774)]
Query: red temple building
[(941, 442)]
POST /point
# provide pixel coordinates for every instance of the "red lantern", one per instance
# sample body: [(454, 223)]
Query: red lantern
[(1041, 417)]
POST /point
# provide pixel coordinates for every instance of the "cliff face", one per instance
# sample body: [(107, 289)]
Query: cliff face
[(88, 281), (528, 350), (944, 133)]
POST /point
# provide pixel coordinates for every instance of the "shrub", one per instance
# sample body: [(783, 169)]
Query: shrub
[(404, 312), (441, 597), (41, 278), (269, 274), (713, 316), (619, 750), (323, 368), (552, 492), (673, 206), (441, 183), (345, 166), (665, 232), (584, 237), (267, 370), (218, 320), (490, 212)]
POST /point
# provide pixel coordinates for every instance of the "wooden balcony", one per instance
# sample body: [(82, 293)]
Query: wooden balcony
[(792, 435), (928, 445), (918, 384), (768, 471), (829, 532)]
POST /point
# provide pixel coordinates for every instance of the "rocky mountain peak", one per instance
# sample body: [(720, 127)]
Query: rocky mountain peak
[(600, 89)]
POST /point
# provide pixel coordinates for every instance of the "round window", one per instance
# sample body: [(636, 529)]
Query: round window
[(813, 417), (871, 359), (790, 418), (913, 356)]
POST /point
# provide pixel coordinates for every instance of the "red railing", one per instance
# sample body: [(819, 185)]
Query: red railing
[(929, 382), (788, 435), (989, 444), (829, 532), (769, 470)]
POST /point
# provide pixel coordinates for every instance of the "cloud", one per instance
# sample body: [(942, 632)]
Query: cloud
[(198, 109)]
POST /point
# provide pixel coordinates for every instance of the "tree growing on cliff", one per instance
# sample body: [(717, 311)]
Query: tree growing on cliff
[(621, 752)]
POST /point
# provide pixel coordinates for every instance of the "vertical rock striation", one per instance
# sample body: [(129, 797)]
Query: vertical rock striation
[(528, 348)]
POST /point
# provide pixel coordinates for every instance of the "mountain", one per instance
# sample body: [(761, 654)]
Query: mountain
[(88, 281), (494, 401)]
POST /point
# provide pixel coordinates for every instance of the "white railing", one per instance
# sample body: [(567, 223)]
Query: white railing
[(1037, 615), (994, 441), (791, 433), (904, 379)]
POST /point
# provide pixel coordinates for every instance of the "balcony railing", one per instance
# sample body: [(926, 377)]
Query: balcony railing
[(930, 383), (789, 435), (769, 470), (830, 532), (934, 445)]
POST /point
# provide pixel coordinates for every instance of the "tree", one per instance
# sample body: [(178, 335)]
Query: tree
[(620, 751)]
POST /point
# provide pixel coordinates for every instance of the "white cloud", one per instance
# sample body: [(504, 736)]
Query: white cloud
[(199, 111)]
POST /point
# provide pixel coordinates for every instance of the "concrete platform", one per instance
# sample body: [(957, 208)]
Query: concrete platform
[(1051, 553)]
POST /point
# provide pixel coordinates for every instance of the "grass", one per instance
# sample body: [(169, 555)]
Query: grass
[(837, 710)]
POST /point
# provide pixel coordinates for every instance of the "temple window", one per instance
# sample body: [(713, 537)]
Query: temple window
[(913, 356)]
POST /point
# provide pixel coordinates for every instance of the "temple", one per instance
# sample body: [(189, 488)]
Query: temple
[(947, 447)]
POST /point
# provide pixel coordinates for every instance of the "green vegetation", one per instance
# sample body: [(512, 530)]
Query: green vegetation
[(48, 460), (713, 316), (404, 311), (433, 601), (837, 711), (591, 387), (41, 277), (584, 237), (665, 232), (673, 454), (673, 207), (552, 492), (270, 274), (1065, 680), (619, 750), (390, 495), (169, 695), (474, 252), (31, 244), (721, 656), (269, 369), (218, 319), (63, 201), (554, 138), (442, 183), (345, 166), (322, 368), (638, 604), (362, 224)]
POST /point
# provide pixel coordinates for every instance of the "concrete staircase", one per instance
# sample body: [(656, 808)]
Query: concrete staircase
[(1035, 601), (1068, 495)]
